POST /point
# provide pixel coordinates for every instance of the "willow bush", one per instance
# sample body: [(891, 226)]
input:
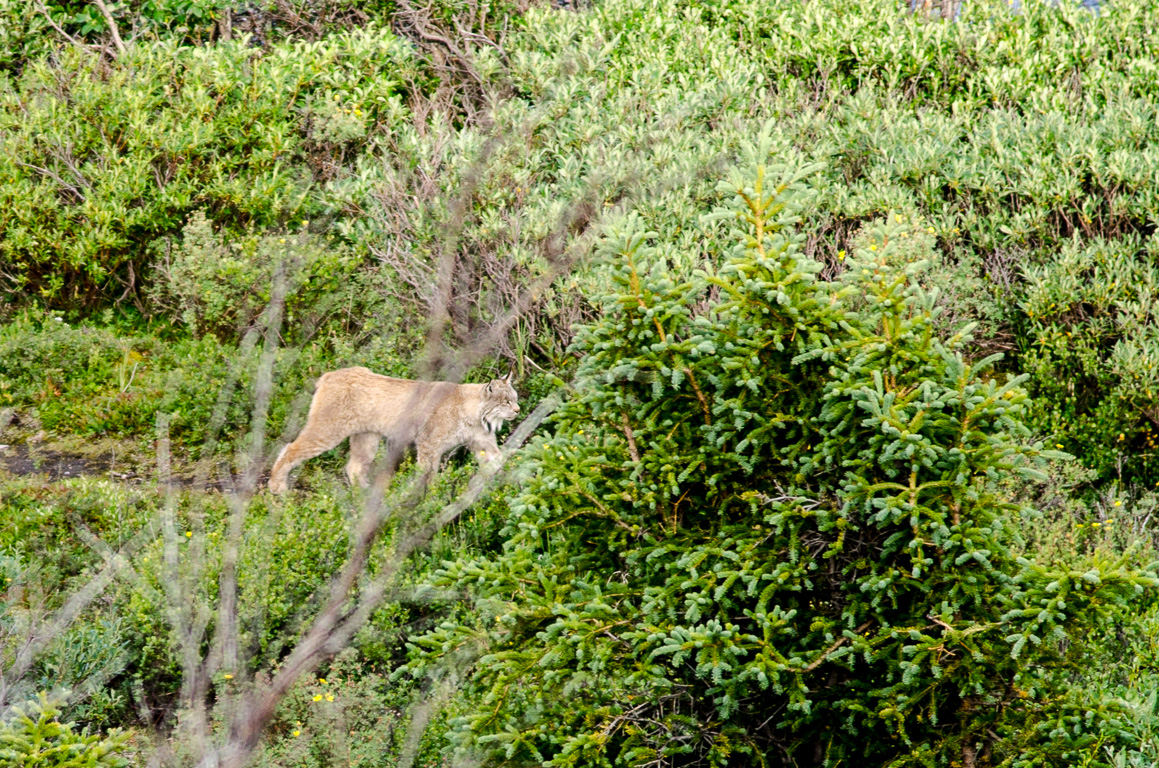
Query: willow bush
[(100, 163), (769, 528), (1018, 136)]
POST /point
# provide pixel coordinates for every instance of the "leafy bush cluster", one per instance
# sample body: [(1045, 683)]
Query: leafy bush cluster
[(99, 163), (222, 287), (768, 529), (123, 652), (1090, 343), (1018, 137)]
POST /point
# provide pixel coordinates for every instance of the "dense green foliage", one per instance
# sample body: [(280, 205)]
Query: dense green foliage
[(769, 530), (99, 165), (791, 512)]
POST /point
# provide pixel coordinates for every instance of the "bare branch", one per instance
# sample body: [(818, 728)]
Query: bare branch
[(80, 197), (439, 313), (336, 624), (44, 12), (104, 9)]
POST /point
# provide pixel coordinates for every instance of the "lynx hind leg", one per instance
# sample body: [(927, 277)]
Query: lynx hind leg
[(362, 450), (309, 444)]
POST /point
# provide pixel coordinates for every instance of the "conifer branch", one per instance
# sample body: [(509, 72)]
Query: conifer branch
[(836, 644)]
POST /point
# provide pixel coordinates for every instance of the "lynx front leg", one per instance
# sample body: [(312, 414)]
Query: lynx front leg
[(428, 463), (308, 445), (485, 449), (362, 450)]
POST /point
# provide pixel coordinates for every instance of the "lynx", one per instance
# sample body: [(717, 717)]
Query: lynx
[(433, 416)]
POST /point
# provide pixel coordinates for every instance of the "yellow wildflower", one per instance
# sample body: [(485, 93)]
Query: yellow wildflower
[(318, 697)]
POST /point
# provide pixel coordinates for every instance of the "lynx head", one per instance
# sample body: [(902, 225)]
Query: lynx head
[(499, 403)]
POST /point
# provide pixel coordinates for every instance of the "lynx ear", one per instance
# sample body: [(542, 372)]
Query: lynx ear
[(507, 378)]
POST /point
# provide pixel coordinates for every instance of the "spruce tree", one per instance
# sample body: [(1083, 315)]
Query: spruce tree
[(32, 736), (769, 528)]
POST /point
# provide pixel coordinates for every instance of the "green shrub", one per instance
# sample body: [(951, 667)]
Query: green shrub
[(38, 525), (770, 522), (23, 34), (38, 354), (89, 380), (184, 19), (1092, 347), (288, 555), (33, 737), (350, 714), (84, 660), (218, 286), (96, 163)]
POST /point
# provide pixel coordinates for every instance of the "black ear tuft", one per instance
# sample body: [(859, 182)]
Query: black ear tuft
[(507, 378)]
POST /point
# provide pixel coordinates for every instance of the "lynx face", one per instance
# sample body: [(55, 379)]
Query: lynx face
[(499, 404)]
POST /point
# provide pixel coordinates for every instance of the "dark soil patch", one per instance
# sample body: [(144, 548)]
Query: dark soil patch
[(23, 459), (29, 459)]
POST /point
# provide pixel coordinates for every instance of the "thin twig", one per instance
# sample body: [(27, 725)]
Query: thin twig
[(104, 9), (835, 645), (44, 12), (632, 450)]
